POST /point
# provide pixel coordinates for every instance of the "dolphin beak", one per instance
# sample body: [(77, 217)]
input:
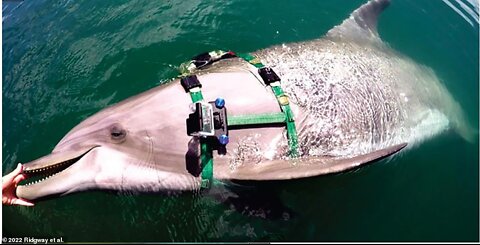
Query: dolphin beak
[(43, 174)]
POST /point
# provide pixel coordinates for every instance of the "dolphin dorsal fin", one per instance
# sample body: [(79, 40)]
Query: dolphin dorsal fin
[(362, 23)]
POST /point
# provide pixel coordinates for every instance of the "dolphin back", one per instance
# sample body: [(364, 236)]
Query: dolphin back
[(361, 95)]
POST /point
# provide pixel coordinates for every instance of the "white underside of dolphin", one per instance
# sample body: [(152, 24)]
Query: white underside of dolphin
[(355, 101)]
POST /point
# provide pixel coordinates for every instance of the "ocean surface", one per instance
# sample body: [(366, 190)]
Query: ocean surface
[(65, 60)]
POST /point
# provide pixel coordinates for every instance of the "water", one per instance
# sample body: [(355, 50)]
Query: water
[(65, 60)]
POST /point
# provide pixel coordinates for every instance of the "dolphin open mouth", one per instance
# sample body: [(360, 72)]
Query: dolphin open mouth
[(36, 175), (43, 174)]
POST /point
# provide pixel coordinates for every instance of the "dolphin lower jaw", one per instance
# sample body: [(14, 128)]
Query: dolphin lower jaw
[(43, 174), (104, 168)]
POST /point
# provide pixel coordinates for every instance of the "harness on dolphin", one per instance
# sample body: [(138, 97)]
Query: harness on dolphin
[(209, 121)]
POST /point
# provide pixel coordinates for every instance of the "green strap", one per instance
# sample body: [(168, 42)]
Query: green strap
[(207, 164), (206, 158), (290, 120), (196, 96), (252, 119), (251, 59), (284, 104)]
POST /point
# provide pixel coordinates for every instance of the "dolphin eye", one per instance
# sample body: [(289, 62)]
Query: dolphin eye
[(117, 133)]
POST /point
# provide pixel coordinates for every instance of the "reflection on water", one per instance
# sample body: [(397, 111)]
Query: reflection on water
[(468, 10)]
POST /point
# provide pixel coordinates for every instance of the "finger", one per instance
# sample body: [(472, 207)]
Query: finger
[(5, 200), (9, 177), (22, 202), (18, 170), (19, 178)]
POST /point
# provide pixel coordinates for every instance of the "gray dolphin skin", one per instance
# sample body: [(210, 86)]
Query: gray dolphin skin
[(355, 100)]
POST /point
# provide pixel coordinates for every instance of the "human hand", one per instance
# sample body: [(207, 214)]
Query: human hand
[(9, 187)]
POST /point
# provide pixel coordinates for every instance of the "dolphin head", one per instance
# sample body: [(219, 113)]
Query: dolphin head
[(124, 147)]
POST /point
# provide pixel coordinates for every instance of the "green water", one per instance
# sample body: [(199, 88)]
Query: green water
[(65, 60)]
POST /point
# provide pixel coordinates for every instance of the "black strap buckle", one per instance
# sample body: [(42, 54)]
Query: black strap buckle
[(268, 75), (202, 60), (190, 82), (205, 59)]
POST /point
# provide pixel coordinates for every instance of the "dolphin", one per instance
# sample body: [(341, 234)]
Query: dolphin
[(355, 101)]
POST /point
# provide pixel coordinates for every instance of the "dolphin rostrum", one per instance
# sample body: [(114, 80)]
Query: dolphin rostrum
[(355, 101)]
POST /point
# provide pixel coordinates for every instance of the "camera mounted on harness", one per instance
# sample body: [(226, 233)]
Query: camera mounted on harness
[(208, 120), (209, 123)]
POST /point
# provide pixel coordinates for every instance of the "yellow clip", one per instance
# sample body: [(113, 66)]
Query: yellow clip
[(255, 61), (283, 100)]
